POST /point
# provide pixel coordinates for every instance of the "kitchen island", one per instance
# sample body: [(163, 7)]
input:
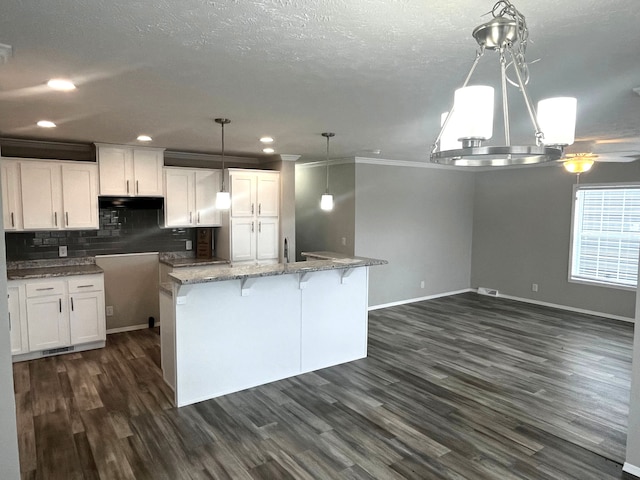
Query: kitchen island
[(226, 328)]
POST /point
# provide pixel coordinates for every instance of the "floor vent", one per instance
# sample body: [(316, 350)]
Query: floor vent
[(55, 351), (492, 292)]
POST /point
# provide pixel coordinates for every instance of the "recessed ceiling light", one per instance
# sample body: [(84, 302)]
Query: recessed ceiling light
[(268, 150), (266, 140), (46, 124), (144, 138), (61, 84)]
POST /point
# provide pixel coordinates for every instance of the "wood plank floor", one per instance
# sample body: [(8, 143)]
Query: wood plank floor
[(464, 387)]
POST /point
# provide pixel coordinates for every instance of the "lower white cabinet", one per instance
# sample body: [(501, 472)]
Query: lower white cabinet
[(54, 313)]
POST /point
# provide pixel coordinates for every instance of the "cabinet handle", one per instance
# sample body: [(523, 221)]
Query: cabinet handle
[(252, 229), (43, 289), (12, 222), (127, 186), (66, 216), (198, 217), (259, 208), (60, 304), (9, 321), (71, 304), (252, 209), (55, 218), (259, 227), (84, 286), (137, 189)]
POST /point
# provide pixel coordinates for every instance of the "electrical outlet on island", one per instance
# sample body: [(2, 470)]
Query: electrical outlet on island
[(188, 245), (62, 251)]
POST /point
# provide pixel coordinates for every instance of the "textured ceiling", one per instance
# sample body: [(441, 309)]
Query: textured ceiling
[(376, 72)]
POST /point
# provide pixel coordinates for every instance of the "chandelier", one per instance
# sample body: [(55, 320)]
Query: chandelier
[(469, 123)]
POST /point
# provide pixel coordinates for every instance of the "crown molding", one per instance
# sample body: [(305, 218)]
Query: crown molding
[(289, 158)]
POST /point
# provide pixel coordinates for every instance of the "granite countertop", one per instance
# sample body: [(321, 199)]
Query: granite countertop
[(17, 271), (326, 255), (178, 262), (219, 274)]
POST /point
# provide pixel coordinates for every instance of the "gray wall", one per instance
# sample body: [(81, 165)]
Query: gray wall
[(420, 220), (522, 232), (317, 230), (9, 464)]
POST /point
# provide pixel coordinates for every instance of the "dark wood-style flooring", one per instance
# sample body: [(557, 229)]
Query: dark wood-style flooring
[(464, 387)]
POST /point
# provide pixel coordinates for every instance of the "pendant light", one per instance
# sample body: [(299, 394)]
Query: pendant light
[(223, 198), (326, 201), (579, 163)]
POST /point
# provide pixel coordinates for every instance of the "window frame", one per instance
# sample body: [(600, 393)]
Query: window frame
[(574, 203)]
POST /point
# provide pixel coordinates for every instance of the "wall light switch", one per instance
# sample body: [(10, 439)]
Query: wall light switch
[(188, 244), (62, 251)]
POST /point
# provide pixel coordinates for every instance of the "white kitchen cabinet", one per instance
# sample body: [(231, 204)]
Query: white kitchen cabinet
[(17, 319), (130, 171), (47, 316), (58, 195), (190, 197), (251, 230), (55, 313), (11, 201)]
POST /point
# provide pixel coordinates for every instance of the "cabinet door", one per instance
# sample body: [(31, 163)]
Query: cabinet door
[(147, 172), (48, 322), (17, 320), (41, 196), (86, 317), (207, 185), (80, 196), (243, 239), (267, 241), (243, 194), (268, 194), (116, 170), (178, 205), (11, 205)]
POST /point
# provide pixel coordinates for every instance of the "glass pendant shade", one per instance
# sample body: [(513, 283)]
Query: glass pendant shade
[(473, 110), (578, 165), (223, 201), (326, 202), (449, 138), (557, 120)]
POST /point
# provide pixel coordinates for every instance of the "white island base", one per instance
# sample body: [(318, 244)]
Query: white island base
[(222, 336)]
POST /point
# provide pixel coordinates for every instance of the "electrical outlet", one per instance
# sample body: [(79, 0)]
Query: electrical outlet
[(534, 287), (344, 240), (62, 251), (422, 284), (188, 244), (110, 311)]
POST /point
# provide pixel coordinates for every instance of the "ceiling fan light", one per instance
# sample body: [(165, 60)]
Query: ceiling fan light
[(473, 110), (578, 165), (326, 202), (557, 120)]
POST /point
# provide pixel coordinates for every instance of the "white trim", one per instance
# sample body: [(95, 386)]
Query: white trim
[(420, 299), (568, 308), (289, 157), (323, 163), (130, 328), (632, 469)]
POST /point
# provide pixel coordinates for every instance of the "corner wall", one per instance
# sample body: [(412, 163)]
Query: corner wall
[(522, 234)]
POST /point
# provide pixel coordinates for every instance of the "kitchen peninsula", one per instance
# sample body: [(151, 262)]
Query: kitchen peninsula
[(225, 329)]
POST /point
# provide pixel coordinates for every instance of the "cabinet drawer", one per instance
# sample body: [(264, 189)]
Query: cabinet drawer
[(89, 283), (41, 289)]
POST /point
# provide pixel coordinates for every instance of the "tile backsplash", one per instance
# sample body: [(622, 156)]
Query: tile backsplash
[(121, 230)]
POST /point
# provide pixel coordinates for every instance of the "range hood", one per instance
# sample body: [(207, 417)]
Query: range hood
[(139, 203)]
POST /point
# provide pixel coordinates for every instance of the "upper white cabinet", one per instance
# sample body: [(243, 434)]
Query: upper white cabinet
[(130, 171), (251, 230), (58, 195), (11, 201), (190, 197)]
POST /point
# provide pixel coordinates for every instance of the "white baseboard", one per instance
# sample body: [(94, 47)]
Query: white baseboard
[(570, 309), (130, 328), (419, 299), (632, 469)]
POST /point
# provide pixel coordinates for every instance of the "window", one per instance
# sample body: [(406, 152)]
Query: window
[(606, 235)]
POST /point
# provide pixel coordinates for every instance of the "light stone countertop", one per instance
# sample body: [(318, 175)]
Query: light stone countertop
[(53, 271), (192, 261), (219, 274)]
